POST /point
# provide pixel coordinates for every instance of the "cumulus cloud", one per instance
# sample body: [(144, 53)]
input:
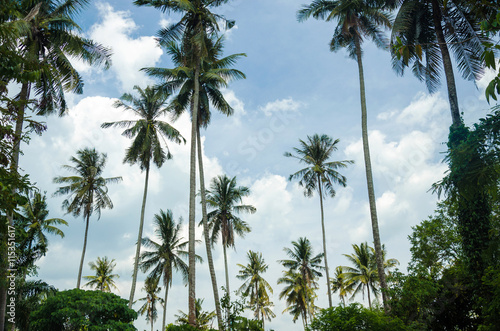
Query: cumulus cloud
[(283, 105), (129, 54)]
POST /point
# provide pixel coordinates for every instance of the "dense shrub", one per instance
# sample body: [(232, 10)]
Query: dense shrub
[(354, 317), (83, 310)]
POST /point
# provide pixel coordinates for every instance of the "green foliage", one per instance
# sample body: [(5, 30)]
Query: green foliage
[(490, 302), (30, 295), (78, 309), (435, 242), (185, 327), (202, 318), (235, 322), (355, 317)]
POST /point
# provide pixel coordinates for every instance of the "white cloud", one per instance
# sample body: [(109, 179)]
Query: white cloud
[(129, 54), (283, 105)]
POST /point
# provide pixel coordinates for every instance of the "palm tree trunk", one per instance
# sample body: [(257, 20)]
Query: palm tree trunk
[(369, 177), (211, 267), (324, 243), (369, 300), (165, 308), (192, 194), (226, 270), (83, 250), (447, 64), (139, 239)]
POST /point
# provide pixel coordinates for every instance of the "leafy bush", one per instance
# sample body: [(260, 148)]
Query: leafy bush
[(184, 327), (354, 317), (83, 310)]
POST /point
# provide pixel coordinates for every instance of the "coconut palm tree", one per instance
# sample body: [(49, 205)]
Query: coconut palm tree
[(302, 261), (203, 318), (35, 214), (104, 278), (363, 273), (224, 197), (298, 296), (215, 73), (192, 30), (341, 284), (45, 47), (167, 254), (87, 190), (255, 286), (146, 147), (320, 175), (150, 300), (429, 30), (357, 20)]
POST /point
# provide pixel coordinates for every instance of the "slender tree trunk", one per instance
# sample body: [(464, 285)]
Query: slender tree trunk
[(83, 250), (139, 240), (447, 64), (192, 195), (165, 307), (324, 243), (226, 270), (369, 177), (369, 299), (211, 267)]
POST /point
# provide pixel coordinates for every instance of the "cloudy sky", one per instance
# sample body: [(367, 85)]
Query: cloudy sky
[(295, 87)]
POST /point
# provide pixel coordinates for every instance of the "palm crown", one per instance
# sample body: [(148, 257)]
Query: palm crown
[(315, 153), (147, 131), (357, 19), (104, 279)]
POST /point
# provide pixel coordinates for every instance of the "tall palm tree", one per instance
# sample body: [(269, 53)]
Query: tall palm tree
[(87, 190), (150, 300), (319, 174), (51, 38), (104, 278), (431, 29), (39, 44), (357, 20), (215, 73), (192, 30), (341, 284), (305, 267), (298, 296), (224, 197), (35, 213), (255, 286), (146, 147), (166, 255)]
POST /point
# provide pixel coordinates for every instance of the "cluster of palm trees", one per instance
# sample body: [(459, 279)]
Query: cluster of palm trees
[(40, 36)]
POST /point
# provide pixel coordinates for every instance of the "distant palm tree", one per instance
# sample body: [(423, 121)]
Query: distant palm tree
[(35, 213), (224, 197), (146, 147), (305, 267), (166, 255), (204, 319), (255, 286), (358, 20), (320, 175), (150, 300), (104, 278), (340, 284), (363, 273), (87, 190), (298, 296)]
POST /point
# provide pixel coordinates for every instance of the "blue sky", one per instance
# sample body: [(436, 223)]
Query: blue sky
[(295, 87)]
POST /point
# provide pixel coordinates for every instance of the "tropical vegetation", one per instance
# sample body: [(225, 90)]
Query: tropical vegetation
[(452, 279)]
